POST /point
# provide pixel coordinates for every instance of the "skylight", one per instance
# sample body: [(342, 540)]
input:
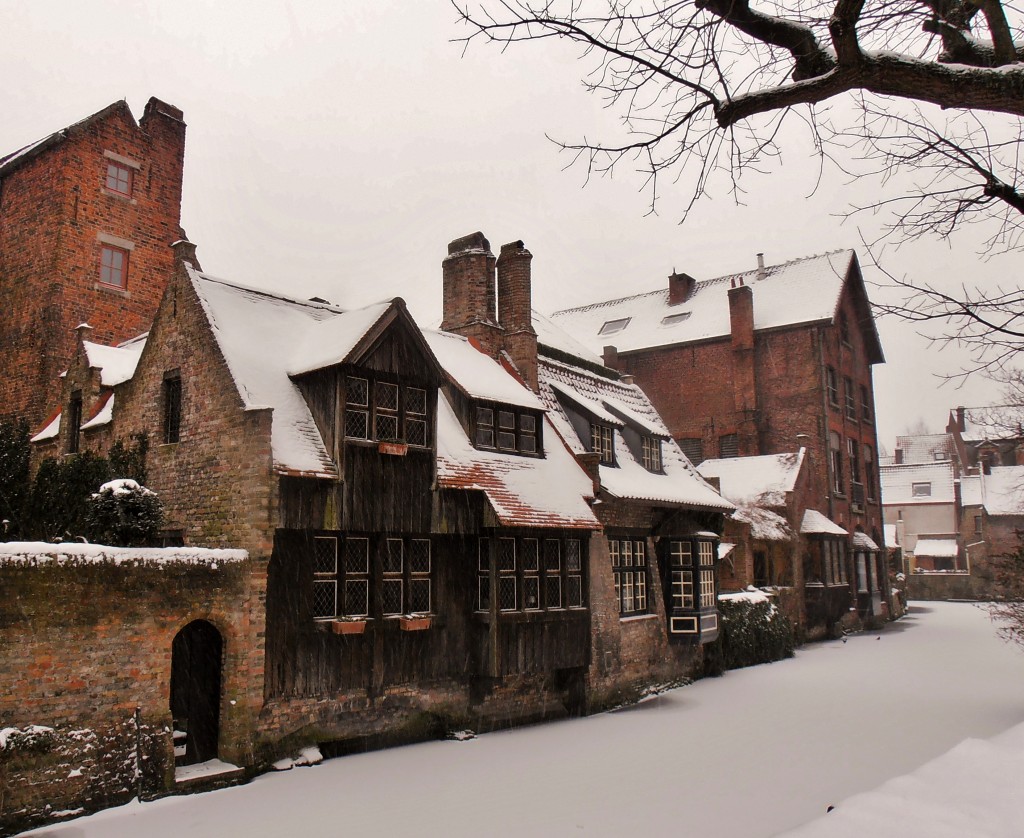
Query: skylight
[(612, 326), (672, 319)]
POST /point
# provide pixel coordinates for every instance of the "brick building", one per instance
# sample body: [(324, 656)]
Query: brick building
[(421, 543), (86, 217), (762, 362)]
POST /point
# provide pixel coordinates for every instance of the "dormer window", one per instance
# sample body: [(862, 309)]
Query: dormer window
[(386, 411), (506, 428), (612, 326), (602, 442), (651, 451)]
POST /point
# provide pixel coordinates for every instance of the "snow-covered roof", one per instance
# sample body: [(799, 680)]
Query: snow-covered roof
[(51, 429), (266, 337), (990, 423), (103, 414), (477, 374), (863, 541), (926, 448), (814, 523), (554, 336), (802, 291), (938, 548), (678, 484), (906, 485), (1000, 493), (549, 491), (116, 363), (764, 524), (763, 480), (725, 548)]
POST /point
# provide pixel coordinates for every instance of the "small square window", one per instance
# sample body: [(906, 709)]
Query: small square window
[(119, 179), (114, 266)]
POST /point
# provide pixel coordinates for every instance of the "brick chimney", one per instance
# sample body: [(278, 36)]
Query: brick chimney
[(468, 290), (164, 125), (741, 323), (515, 309), (185, 251), (610, 357), (961, 418), (680, 287)]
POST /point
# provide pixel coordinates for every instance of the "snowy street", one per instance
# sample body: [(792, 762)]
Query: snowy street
[(753, 753)]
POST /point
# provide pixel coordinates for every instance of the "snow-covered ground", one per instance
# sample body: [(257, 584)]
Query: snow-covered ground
[(754, 753)]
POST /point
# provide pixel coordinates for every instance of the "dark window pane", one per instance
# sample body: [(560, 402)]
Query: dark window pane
[(419, 595), (529, 555), (572, 555), (325, 555), (416, 401), (391, 596), (357, 555), (357, 598), (325, 594), (552, 555), (553, 588), (357, 424), (483, 593), (574, 591), (507, 441), (416, 431), (386, 426), (507, 593), (419, 556), (506, 554), (506, 419), (386, 396), (531, 592), (357, 391)]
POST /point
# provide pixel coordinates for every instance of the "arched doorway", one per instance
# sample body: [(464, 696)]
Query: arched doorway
[(196, 655)]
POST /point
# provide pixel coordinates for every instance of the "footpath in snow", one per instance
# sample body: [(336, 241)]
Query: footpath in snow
[(755, 753)]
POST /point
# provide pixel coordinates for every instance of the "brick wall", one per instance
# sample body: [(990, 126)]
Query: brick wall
[(54, 209), (86, 645)]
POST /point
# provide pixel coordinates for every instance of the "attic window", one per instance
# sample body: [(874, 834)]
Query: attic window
[(651, 451), (506, 429), (602, 442), (672, 319), (921, 490), (941, 456), (612, 326), (386, 412)]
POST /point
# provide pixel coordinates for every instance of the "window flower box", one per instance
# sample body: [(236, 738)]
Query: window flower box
[(398, 449), (356, 626), (414, 622)]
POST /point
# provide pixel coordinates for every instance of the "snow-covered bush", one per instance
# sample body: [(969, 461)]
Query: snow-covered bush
[(752, 631), (124, 514)]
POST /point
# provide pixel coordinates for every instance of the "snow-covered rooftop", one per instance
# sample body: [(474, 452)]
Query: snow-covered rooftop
[(762, 480), (678, 484), (554, 336), (477, 374), (990, 423), (801, 291), (765, 524), (116, 363), (264, 337), (926, 448), (906, 485), (814, 523), (1001, 492), (549, 491)]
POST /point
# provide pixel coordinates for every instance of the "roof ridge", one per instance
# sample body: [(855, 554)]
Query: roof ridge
[(275, 295), (544, 359), (602, 303)]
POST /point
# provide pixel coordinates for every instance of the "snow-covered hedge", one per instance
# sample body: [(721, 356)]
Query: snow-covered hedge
[(753, 631), (124, 514)]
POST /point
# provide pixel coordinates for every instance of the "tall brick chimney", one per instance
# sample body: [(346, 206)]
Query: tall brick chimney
[(515, 309), (680, 287), (468, 290), (741, 322), (961, 422)]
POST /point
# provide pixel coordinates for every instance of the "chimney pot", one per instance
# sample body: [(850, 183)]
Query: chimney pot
[(610, 357), (185, 251)]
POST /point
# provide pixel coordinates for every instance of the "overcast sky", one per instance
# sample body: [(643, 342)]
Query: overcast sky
[(335, 148)]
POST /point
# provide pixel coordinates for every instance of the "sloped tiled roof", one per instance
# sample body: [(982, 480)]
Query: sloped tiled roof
[(801, 291), (898, 483), (923, 448), (523, 491), (679, 484)]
